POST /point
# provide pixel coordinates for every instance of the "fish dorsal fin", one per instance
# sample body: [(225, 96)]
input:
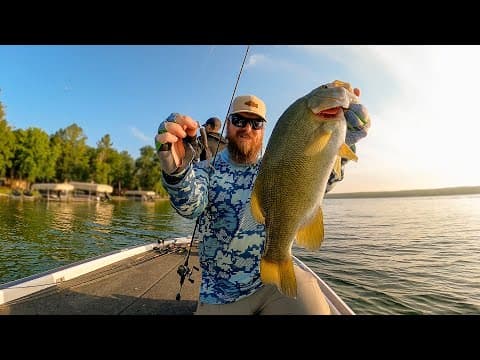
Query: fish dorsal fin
[(337, 167), (347, 153), (310, 235), (257, 211), (318, 144)]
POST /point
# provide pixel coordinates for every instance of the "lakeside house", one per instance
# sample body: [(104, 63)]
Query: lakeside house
[(73, 191), (54, 192), (90, 191), (141, 195)]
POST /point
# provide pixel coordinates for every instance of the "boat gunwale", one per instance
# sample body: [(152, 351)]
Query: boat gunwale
[(16, 289), (334, 301)]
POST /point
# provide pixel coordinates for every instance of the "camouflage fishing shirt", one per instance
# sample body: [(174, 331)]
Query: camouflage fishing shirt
[(231, 241)]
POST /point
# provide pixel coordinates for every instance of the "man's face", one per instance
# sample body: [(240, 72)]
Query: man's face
[(245, 143)]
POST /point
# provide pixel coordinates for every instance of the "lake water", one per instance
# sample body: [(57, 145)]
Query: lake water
[(415, 255)]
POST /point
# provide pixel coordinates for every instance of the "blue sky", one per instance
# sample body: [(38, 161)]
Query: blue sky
[(421, 99)]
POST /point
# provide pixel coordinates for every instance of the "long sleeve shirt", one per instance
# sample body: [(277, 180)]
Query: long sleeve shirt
[(231, 241)]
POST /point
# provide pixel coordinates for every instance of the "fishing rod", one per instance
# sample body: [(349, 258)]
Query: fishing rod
[(184, 270)]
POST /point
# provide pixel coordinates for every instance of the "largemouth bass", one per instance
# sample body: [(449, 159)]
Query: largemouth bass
[(306, 145)]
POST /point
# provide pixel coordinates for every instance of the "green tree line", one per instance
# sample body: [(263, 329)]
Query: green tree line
[(35, 156)]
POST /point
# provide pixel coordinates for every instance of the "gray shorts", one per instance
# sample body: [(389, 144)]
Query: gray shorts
[(268, 300)]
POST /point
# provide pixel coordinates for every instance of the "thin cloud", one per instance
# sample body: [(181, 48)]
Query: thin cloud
[(140, 135), (256, 60), (403, 65), (265, 62), (426, 125), (207, 58)]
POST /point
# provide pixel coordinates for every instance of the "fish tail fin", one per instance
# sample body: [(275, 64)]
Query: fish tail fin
[(311, 234), (281, 274)]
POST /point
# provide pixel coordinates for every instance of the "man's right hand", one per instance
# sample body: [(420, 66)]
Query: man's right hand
[(174, 153)]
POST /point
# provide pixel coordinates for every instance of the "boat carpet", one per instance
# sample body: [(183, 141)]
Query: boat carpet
[(145, 284)]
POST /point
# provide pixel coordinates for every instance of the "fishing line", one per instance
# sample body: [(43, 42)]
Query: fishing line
[(231, 100), (184, 270)]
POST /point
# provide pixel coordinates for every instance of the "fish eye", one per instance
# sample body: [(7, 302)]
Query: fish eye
[(324, 86)]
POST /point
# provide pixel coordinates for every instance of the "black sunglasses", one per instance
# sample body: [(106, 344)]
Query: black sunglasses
[(241, 122)]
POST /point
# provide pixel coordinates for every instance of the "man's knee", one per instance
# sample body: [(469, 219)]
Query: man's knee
[(309, 293), (240, 307)]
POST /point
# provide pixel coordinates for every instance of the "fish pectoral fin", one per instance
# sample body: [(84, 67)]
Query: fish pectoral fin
[(337, 167), (318, 144), (310, 235), (256, 208), (347, 153), (281, 274)]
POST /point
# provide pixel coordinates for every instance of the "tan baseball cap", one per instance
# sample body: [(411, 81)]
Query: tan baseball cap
[(250, 104)]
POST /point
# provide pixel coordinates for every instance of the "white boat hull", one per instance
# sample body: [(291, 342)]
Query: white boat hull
[(23, 287)]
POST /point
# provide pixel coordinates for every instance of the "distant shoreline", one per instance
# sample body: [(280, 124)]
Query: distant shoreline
[(113, 197), (464, 190), (124, 198)]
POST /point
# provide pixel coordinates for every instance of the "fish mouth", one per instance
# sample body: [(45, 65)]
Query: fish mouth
[(329, 113)]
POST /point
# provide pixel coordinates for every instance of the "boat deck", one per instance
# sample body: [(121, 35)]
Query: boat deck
[(145, 284)]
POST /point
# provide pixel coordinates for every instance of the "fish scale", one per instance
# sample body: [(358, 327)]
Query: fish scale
[(304, 148)]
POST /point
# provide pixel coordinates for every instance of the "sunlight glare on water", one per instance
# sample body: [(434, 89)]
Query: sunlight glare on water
[(413, 255)]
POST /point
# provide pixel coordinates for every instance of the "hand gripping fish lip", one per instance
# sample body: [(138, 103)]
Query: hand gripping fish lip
[(322, 99)]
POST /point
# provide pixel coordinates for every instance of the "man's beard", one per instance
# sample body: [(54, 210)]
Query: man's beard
[(244, 152)]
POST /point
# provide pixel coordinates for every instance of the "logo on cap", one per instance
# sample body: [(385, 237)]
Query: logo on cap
[(251, 104)]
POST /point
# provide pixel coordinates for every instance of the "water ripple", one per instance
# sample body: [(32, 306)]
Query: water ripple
[(381, 256)]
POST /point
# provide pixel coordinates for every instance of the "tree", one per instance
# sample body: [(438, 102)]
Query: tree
[(103, 161), (33, 158), (122, 168), (7, 140), (73, 162), (50, 172), (148, 171)]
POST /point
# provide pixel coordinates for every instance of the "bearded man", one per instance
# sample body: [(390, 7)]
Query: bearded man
[(231, 241)]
